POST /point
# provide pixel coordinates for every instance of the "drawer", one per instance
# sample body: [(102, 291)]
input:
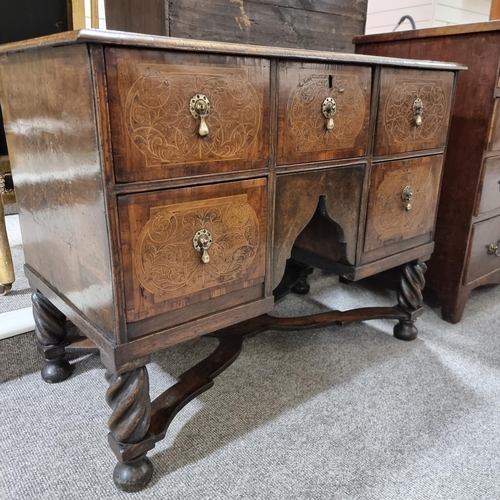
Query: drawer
[(483, 259), (414, 110), (494, 135), (162, 269), (155, 102), (389, 219), (302, 127), (490, 190)]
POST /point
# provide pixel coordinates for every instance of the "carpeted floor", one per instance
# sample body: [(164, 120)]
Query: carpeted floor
[(19, 296), (335, 413)]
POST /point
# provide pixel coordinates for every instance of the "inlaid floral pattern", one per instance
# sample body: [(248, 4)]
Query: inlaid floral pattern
[(399, 120), (166, 262), (306, 122), (161, 126)]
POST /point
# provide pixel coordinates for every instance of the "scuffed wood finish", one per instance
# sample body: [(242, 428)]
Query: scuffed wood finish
[(55, 158), (154, 133), (302, 127), (469, 184), (320, 25), (397, 130), (297, 199), (388, 220), (163, 271)]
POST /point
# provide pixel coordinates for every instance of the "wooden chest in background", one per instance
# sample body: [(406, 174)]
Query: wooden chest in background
[(468, 226), (318, 25)]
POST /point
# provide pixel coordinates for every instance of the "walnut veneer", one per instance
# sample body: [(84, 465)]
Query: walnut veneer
[(468, 224), (147, 223)]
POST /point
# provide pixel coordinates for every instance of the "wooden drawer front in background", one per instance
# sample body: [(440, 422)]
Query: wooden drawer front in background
[(302, 127), (388, 220), (494, 138), (405, 95), (483, 260), (490, 192), (154, 133), (162, 269)]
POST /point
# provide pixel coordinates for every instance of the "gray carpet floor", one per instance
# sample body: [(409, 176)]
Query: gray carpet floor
[(19, 296), (334, 413)]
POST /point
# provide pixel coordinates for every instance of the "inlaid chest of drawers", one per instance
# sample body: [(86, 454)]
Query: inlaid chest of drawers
[(163, 183), (468, 224)]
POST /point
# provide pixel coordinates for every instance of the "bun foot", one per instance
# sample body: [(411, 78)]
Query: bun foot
[(56, 371), (302, 287), (406, 330), (134, 475)]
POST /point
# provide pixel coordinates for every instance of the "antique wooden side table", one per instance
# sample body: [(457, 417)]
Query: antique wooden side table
[(162, 184), (468, 222)]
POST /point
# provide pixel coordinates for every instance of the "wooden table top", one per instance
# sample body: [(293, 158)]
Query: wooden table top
[(160, 42)]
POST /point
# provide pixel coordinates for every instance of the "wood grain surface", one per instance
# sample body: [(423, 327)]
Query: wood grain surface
[(163, 271), (302, 132), (55, 157), (319, 25), (154, 133), (396, 128), (388, 221)]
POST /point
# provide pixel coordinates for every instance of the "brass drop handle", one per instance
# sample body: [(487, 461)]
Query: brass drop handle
[(406, 196), (418, 108), (329, 108), (493, 250), (202, 240), (199, 105)]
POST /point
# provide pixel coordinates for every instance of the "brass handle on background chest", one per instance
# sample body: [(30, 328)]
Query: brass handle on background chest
[(406, 196), (418, 108), (202, 240), (329, 108), (199, 105), (493, 250)]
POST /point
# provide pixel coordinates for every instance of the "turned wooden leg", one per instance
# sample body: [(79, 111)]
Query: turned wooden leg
[(128, 397), (302, 287), (6, 266), (50, 331), (410, 298)]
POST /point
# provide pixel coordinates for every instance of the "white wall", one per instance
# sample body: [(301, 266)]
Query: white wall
[(383, 15), (461, 11)]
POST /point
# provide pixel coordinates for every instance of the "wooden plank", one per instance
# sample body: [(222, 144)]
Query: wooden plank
[(266, 24), (137, 16), (459, 29), (94, 13), (78, 13), (495, 10)]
